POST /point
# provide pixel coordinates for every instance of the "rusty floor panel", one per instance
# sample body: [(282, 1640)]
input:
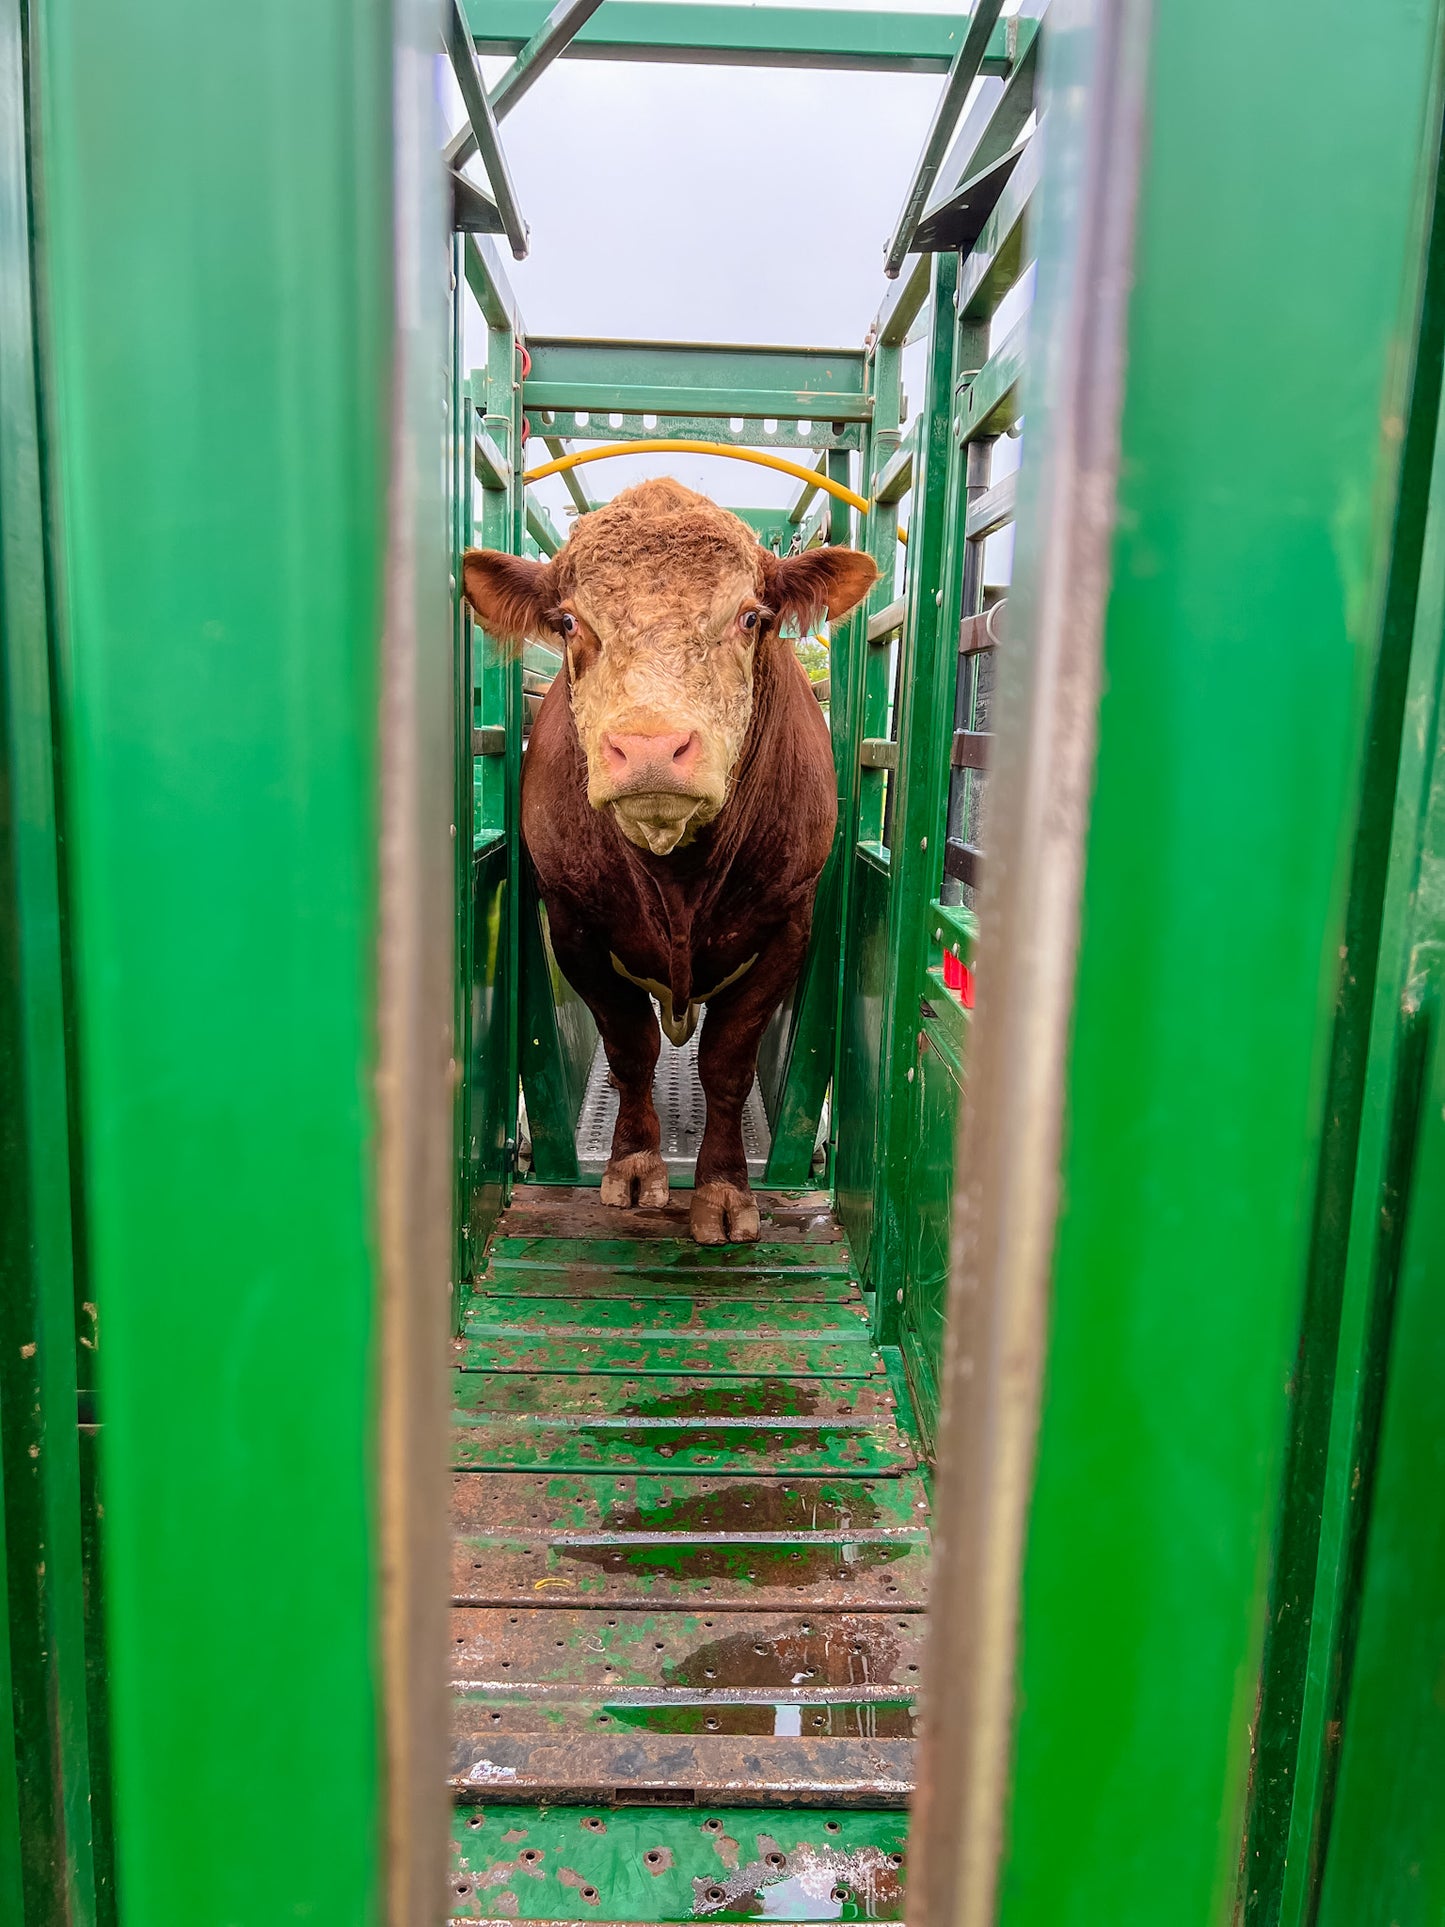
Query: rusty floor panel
[(690, 1545), (553, 1211)]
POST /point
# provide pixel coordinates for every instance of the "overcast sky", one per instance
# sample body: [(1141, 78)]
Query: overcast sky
[(711, 204)]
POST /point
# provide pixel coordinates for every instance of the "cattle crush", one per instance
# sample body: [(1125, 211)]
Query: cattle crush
[(1039, 1522)]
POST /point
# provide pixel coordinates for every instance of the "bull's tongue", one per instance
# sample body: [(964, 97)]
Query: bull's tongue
[(657, 823)]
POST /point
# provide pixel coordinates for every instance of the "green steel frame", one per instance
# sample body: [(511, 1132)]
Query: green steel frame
[(1172, 786)]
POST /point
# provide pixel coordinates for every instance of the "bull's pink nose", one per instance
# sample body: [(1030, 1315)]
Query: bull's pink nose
[(664, 756)]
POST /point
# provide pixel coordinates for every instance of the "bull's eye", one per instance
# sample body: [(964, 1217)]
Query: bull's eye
[(749, 621), (569, 623)]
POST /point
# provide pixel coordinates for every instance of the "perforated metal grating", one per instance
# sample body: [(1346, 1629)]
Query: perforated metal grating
[(681, 1111)]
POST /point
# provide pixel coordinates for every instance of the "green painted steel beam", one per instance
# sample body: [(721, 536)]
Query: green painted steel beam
[(483, 123), (242, 580), (1150, 1106), (671, 378), (788, 438), (490, 465), (55, 1851), (487, 279), (990, 401), (542, 529), (967, 65), (871, 40), (999, 255)]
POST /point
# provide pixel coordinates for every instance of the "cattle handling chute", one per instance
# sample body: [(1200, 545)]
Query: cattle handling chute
[(997, 1482)]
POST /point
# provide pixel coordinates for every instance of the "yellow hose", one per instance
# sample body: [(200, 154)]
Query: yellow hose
[(662, 446)]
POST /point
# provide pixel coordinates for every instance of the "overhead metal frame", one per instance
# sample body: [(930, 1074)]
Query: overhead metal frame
[(875, 40)]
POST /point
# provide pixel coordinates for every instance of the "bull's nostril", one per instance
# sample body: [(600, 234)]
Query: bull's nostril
[(685, 749)]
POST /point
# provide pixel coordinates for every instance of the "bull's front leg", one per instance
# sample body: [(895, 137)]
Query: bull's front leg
[(724, 1210), (635, 1171), (631, 1041)]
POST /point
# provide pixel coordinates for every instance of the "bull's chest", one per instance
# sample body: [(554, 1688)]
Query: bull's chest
[(678, 1025)]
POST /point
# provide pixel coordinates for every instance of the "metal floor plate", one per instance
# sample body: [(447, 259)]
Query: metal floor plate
[(681, 1111)]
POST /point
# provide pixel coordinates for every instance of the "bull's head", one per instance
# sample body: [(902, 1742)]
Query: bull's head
[(664, 605)]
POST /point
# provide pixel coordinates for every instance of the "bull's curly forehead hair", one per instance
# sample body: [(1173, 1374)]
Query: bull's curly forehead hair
[(651, 530)]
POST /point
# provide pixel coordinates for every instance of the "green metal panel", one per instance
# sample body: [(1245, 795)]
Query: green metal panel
[(928, 1195), (696, 378), (225, 312), (789, 437), (927, 669), (650, 1865), (1192, 1094), (860, 711), (50, 1870), (557, 1042), (765, 36), (1379, 1649), (1337, 1386)]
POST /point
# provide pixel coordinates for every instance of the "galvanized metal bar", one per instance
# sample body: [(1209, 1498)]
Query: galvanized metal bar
[(994, 508), (484, 127), (551, 40), (888, 620), (970, 751), (870, 41), (964, 71), (982, 631), (878, 752)]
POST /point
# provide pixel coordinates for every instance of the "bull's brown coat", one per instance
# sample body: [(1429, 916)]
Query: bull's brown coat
[(726, 914)]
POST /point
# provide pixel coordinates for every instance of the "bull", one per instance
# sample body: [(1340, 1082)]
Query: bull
[(678, 800)]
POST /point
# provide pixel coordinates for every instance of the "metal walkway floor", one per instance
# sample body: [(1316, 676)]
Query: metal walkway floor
[(690, 1557), (681, 1112)]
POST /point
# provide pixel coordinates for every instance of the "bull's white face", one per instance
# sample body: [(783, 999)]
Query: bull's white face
[(662, 695), (662, 603)]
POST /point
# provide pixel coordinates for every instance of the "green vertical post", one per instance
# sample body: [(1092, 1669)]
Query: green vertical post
[(862, 796), (47, 1868), (928, 661), (246, 269), (1182, 723), (1373, 1710)]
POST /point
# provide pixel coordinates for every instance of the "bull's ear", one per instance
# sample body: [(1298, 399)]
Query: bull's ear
[(510, 593), (803, 587)]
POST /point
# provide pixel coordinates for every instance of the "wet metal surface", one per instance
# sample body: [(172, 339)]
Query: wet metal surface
[(545, 1211), (681, 1113), (504, 1505), (576, 1396), (484, 1350), (661, 1865), (690, 1561), (751, 1320), (796, 1655), (576, 1766)]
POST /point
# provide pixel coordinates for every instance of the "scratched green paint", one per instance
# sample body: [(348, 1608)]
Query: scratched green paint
[(1213, 911), (606, 1848)]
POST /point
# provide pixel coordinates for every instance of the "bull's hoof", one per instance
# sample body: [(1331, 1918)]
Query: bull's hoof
[(723, 1215), (639, 1178)]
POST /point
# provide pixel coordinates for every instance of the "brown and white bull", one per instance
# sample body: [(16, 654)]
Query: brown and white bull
[(678, 800)]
